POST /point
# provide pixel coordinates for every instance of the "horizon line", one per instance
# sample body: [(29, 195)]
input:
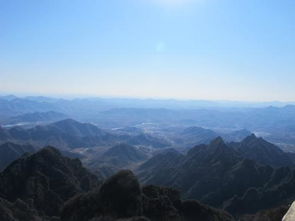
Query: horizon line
[(93, 96)]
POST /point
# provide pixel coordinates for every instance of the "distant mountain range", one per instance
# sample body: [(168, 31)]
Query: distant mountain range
[(275, 123), (63, 134), (202, 152), (192, 136), (34, 118), (69, 134), (240, 177)]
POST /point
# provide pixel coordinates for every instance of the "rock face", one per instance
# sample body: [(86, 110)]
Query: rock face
[(290, 215), (46, 180), (121, 197)]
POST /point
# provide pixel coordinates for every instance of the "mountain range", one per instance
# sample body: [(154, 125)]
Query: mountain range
[(31, 119), (226, 177), (40, 183), (70, 134), (275, 123), (48, 186)]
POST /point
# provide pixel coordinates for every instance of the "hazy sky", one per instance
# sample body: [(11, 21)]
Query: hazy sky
[(202, 49)]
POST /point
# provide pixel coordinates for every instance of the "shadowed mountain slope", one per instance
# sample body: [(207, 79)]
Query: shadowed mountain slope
[(10, 152), (122, 197), (219, 175), (262, 151), (45, 179)]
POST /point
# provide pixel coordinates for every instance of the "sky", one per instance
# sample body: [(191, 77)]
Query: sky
[(186, 49)]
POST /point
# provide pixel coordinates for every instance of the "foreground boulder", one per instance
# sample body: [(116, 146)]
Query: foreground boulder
[(122, 198), (290, 215)]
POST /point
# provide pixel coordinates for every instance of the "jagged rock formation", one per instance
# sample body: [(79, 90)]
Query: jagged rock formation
[(46, 180), (121, 197)]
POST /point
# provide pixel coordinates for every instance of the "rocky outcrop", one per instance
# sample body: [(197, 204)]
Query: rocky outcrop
[(290, 215)]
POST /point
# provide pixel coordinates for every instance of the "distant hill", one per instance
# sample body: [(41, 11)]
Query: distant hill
[(36, 117), (197, 135), (236, 136), (116, 158), (12, 106), (124, 154), (69, 134), (192, 136), (65, 134)]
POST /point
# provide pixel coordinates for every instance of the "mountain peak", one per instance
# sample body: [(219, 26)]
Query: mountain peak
[(67, 121), (49, 150), (52, 173), (263, 152), (250, 138), (218, 141)]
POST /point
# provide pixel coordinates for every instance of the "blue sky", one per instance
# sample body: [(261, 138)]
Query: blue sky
[(186, 49)]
